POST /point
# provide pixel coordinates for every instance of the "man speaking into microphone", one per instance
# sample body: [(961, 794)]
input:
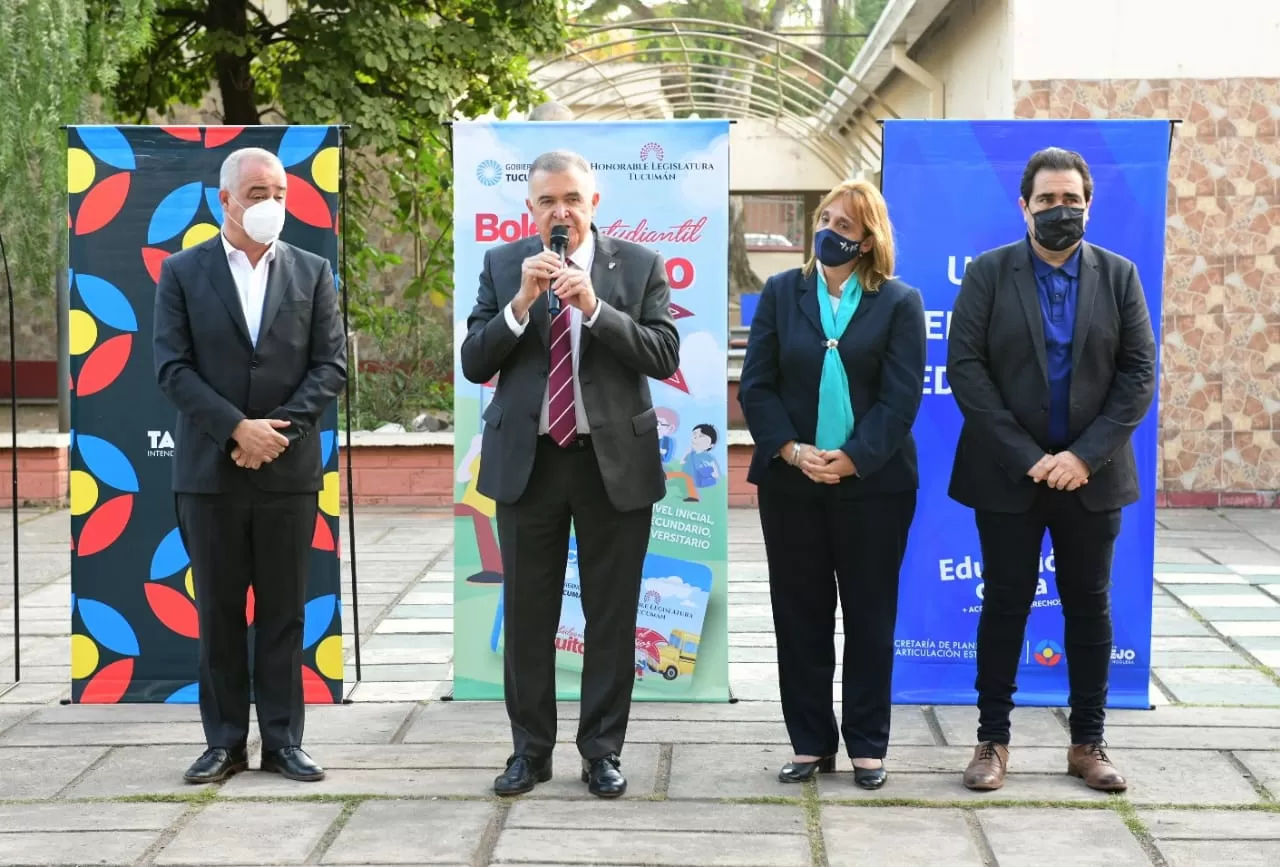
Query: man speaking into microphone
[(571, 436)]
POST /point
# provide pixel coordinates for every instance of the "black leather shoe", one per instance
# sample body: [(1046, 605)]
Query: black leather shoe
[(521, 775), (216, 765), (802, 772), (292, 763), (869, 778), (603, 778)]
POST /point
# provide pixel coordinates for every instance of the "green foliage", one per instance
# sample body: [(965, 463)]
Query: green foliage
[(53, 54), (396, 71)]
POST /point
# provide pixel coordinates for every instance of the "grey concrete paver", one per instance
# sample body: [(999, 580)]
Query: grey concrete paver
[(1033, 838), (411, 832), (262, 833), (898, 835)]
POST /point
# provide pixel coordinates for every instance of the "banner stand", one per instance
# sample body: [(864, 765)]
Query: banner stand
[(13, 470), (346, 330)]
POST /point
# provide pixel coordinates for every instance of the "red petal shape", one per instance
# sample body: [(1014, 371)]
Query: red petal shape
[(173, 609), (248, 608), (186, 133), (678, 312), (102, 203), (305, 202), (676, 380), (323, 538), (109, 685), (104, 364), (105, 524), (153, 257), (216, 136), (314, 688)]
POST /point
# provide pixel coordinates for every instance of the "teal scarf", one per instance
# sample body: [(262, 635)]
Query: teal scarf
[(835, 412)]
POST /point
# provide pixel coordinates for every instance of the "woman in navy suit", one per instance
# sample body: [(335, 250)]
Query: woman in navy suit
[(830, 388)]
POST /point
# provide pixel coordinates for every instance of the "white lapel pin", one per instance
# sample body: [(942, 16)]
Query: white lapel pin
[(612, 265)]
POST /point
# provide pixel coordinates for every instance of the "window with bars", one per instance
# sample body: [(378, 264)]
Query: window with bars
[(773, 224)]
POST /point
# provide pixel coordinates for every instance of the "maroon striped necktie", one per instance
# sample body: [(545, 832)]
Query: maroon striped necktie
[(562, 419)]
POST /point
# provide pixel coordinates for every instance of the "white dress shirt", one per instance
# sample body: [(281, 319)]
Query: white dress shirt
[(251, 283), (582, 258)]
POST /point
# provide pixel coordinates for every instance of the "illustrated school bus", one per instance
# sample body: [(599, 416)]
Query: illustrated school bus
[(677, 655)]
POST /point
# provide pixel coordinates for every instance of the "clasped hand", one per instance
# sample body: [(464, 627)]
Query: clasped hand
[(827, 467), (258, 442), (1063, 471), (543, 271)]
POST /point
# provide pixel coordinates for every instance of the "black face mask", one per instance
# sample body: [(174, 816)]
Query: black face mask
[(1058, 228)]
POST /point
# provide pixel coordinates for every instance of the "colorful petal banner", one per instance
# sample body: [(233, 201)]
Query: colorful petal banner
[(136, 196)]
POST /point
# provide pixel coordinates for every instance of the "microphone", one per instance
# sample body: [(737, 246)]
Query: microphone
[(559, 246)]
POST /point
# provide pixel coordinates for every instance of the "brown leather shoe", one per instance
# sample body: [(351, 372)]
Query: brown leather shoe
[(986, 772), (1089, 762)]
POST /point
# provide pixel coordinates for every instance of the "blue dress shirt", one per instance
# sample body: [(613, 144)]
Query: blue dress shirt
[(1056, 286)]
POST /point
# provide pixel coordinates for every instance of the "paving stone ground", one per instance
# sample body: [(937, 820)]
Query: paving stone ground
[(409, 773)]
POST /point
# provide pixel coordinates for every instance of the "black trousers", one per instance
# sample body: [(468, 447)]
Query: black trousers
[(816, 548), (1083, 543), (565, 485), (236, 541)]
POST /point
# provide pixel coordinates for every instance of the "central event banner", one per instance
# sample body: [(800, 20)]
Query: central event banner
[(663, 184), (952, 189)]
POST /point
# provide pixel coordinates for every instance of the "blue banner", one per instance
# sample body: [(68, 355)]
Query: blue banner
[(952, 189)]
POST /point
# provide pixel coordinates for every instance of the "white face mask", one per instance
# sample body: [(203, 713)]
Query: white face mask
[(263, 221)]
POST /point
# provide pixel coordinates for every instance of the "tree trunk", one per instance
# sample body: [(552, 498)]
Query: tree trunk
[(235, 81), (741, 277)]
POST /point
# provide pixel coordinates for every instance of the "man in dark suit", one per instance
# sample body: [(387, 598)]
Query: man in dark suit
[(249, 347), (1051, 358), (571, 434)]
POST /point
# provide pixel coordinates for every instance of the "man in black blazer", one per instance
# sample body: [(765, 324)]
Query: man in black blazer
[(249, 348), (1051, 358), (571, 434)]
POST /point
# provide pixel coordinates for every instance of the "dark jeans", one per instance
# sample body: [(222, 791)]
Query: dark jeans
[(1083, 543), (816, 548)]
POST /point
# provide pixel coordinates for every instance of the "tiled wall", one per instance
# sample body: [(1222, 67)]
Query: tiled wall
[(1220, 388)]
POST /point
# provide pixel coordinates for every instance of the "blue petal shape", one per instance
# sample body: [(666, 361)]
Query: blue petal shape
[(108, 463), (316, 618), (107, 303), (107, 627), (170, 556), (189, 694), (326, 446), (300, 142), (215, 207), (175, 212), (108, 144)]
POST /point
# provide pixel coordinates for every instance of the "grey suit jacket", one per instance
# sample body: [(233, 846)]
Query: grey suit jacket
[(215, 377), (632, 340), (998, 373)]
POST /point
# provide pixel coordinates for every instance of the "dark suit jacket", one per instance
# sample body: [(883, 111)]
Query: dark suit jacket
[(997, 370), (633, 339), (211, 372), (883, 350)]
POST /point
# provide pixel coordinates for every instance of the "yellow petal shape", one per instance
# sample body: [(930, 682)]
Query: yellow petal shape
[(329, 657), (80, 170), (191, 584), (329, 495), (198, 234), (84, 656), (84, 492), (82, 331), (324, 170)]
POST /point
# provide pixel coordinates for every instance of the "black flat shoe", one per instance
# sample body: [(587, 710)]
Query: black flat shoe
[(802, 772), (870, 778), (521, 775), (603, 777), (292, 763), (216, 765)]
